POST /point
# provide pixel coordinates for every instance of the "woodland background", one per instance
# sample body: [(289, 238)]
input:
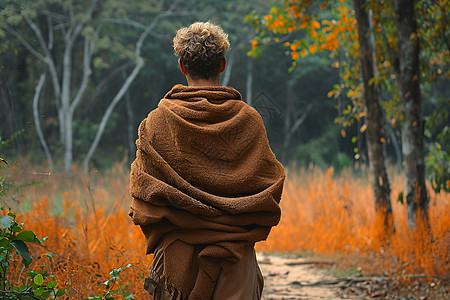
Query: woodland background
[(77, 77)]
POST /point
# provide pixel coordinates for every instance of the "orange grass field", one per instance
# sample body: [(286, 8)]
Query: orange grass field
[(88, 229)]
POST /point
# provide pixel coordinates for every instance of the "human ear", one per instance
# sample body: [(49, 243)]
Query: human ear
[(182, 68), (224, 64)]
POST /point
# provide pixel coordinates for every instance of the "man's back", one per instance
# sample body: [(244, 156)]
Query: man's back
[(206, 187)]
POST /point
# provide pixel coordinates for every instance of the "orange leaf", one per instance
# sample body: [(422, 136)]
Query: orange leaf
[(363, 128), (331, 93), (343, 133), (313, 49), (254, 42), (315, 24)]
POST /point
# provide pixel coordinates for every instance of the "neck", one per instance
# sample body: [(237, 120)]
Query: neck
[(203, 82)]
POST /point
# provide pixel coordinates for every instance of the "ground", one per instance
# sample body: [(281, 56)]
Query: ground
[(288, 277), (282, 275)]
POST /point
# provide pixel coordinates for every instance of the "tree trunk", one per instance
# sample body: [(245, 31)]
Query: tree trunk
[(374, 122), (249, 95), (287, 124), (37, 122), (130, 121), (134, 73), (411, 104), (109, 110)]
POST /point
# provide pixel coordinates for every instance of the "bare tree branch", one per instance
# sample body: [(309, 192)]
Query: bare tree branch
[(50, 32), (152, 25), (133, 24), (126, 85), (110, 109), (300, 120), (231, 56), (86, 74), (99, 87), (53, 14), (24, 43), (48, 58), (37, 122)]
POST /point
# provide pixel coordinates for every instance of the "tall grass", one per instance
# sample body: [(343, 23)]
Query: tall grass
[(88, 229), (327, 213)]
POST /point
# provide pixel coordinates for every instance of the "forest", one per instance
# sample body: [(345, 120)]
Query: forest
[(354, 96)]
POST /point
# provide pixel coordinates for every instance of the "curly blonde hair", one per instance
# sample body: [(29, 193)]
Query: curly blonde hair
[(201, 48)]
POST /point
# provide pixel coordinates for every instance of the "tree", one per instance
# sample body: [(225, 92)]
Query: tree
[(373, 119), (304, 15), (331, 26), (411, 104), (71, 32)]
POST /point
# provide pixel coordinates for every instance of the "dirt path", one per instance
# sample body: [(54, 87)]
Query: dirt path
[(282, 274)]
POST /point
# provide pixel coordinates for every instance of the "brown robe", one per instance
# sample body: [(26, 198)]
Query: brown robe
[(205, 185)]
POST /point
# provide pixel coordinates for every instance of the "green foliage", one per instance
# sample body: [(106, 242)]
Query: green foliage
[(322, 150), (13, 243), (437, 159), (13, 239), (110, 284), (438, 164)]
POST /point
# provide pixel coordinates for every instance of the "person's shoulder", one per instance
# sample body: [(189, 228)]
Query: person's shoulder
[(252, 112)]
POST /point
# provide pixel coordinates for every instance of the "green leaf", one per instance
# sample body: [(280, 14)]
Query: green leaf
[(46, 294), (400, 197), (27, 236), (16, 228), (3, 161), (38, 279), (60, 292), (22, 250), (51, 284), (38, 292), (5, 222), (4, 243), (31, 274)]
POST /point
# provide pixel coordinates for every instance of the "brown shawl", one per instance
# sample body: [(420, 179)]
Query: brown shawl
[(204, 183)]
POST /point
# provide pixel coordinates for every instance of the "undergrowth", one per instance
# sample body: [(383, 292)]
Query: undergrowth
[(89, 232)]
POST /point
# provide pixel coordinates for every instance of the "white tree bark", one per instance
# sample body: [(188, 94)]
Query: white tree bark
[(231, 57), (249, 88), (62, 82), (139, 65), (37, 123)]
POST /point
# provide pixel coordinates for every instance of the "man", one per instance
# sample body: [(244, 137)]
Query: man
[(205, 183)]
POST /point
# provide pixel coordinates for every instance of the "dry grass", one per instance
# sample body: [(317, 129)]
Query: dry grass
[(85, 219), (335, 214)]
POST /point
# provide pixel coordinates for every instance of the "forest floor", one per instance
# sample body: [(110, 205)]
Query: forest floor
[(289, 277)]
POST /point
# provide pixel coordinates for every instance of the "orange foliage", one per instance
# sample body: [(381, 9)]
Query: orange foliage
[(88, 231), (335, 214), (86, 221)]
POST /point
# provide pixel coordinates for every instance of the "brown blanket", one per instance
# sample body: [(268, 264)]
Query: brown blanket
[(204, 184)]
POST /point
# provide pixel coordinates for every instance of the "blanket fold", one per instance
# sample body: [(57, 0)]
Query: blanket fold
[(204, 183)]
